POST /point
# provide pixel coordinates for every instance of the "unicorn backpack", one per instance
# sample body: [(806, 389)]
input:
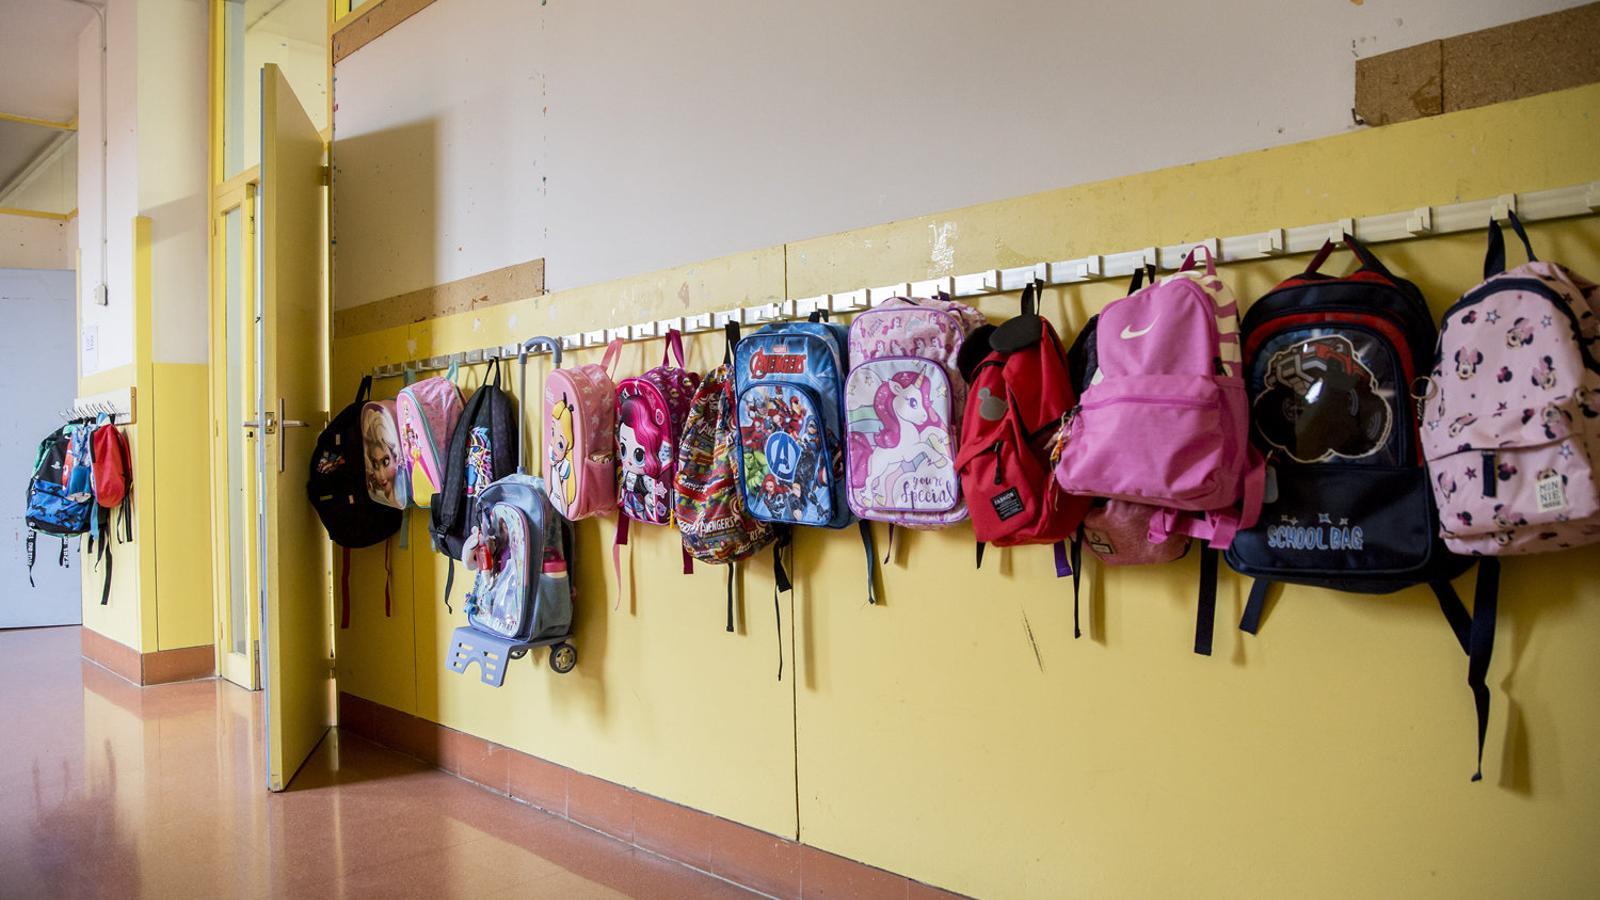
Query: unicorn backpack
[(426, 413), (903, 403), (580, 416)]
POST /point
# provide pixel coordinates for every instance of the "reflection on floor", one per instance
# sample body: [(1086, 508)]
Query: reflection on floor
[(110, 790)]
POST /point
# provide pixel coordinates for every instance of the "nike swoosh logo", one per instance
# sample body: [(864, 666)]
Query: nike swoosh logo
[(1128, 333)]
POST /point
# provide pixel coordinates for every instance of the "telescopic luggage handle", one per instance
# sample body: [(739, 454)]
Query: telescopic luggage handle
[(529, 345)]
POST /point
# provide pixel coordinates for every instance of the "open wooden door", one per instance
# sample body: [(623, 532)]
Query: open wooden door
[(292, 345)]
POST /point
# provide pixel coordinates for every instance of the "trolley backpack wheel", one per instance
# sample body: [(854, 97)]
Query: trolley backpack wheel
[(563, 657)]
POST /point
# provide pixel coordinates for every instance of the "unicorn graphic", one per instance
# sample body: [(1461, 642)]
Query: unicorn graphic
[(906, 460)]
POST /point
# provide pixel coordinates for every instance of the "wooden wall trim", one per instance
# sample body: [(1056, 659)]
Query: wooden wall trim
[(158, 667), (767, 863), (371, 23), (516, 282), (1520, 59)]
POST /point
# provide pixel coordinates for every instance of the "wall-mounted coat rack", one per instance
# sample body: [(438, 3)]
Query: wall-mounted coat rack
[(1423, 221), (119, 404)]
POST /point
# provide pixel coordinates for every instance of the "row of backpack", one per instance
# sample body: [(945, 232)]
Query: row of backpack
[(82, 479), (1288, 440)]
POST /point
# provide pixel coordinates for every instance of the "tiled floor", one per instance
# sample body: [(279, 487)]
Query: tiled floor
[(110, 790)]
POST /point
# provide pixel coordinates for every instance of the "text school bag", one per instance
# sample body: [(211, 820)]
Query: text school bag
[(580, 416), (904, 399), (1016, 399), (337, 488), (380, 436), (483, 449), (1511, 426), (426, 414)]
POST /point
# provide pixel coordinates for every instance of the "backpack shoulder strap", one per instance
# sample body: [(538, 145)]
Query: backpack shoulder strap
[(1494, 259)]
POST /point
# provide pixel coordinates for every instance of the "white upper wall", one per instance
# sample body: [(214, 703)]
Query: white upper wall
[(615, 138), (112, 323), (30, 243)]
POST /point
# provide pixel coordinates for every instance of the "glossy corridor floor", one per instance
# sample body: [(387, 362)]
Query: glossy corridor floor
[(111, 790)]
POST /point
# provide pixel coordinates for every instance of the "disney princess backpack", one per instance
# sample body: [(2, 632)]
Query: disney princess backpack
[(580, 447)]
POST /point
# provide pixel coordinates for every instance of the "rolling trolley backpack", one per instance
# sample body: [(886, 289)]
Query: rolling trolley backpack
[(520, 552), (904, 400), (1511, 425), (789, 400), (580, 416), (651, 409)]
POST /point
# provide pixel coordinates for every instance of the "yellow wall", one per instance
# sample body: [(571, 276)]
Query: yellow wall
[(1329, 756), (161, 585)]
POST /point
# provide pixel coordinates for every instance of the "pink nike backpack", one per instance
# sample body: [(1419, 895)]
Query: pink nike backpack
[(651, 409), (580, 417), (1163, 420), (1511, 429), (903, 401), (426, 413)]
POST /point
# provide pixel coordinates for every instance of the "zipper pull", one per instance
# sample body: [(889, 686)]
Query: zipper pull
[(998, 445)]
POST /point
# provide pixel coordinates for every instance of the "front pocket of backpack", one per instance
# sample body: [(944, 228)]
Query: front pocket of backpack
[(50, 510), (500, 605), (901, 451), (785, 456), (1493, 490), (1156, 439)]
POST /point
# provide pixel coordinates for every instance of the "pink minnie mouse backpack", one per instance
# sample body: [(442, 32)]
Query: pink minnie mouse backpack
[(580, 418), (651, 409), (903, 403)]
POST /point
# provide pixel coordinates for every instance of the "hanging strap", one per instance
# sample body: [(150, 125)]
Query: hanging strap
[(674, 348), (33, 550), (1255, 607), (888, 553), (365, 389), (616, 554), (1193, 257), (1455, 612), (62, 559), (1494, 260), (688, 561), (980, 545), (609, 360), (1481, 646), (731, 332), (1077, 565), (730, 598), (1063, 564), (387, 573), (780, 585), (1146, 272), (344, 587), (872, 559), (449, 582), (1206, 617), (818, 315)]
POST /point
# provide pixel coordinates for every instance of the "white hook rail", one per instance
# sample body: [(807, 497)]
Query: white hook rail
[(1450, 218)]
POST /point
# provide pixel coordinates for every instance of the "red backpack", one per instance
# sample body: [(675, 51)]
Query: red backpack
[(1016, 398)]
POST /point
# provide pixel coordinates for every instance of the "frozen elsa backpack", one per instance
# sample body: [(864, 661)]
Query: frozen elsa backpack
[(580, 446), (651, 409), (380, 440), (904, 399), (426, 414)]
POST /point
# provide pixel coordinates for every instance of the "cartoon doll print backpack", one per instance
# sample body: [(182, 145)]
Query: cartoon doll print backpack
[(904, 399), (651, 409), (580, 421), (426, 413)]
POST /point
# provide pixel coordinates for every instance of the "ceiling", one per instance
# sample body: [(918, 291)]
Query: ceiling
[(301, 20), (38, 75)]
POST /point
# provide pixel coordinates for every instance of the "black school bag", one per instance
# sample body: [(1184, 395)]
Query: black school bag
[(483, 450), (337, 487), (1329, 368)]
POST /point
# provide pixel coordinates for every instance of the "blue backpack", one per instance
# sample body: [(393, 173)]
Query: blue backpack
[(61, 491), (789, 400)]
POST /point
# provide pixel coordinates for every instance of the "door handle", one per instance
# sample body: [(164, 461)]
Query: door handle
[(284, 423)]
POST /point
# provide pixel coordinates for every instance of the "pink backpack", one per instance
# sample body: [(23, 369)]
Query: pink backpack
[(427, 413), (1118, 534), (1163, 422), (903, 401), (651, 409), (1511, 428), (580, 415)]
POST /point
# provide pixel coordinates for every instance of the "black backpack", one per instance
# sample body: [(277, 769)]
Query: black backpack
[(483, 450), (337, 486), (1329, 368)]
